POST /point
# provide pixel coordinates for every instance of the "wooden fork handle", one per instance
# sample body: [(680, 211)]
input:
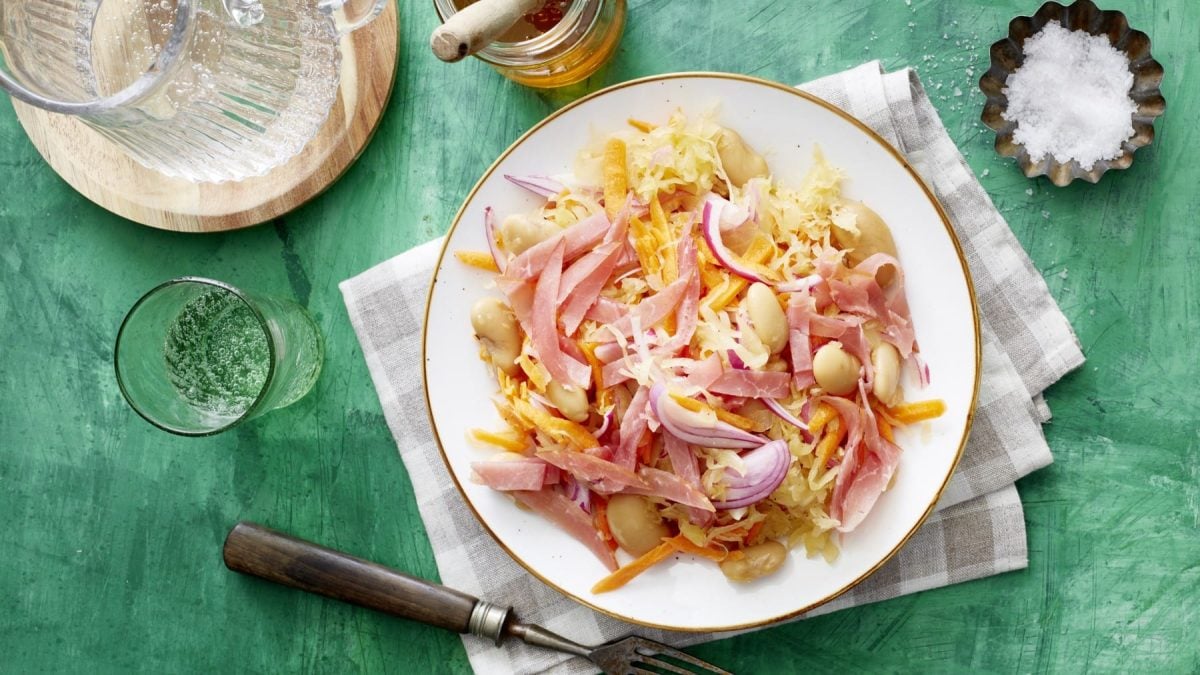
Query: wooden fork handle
[(258, 551)]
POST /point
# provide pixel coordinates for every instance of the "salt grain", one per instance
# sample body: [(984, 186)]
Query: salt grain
[(1070, 98)]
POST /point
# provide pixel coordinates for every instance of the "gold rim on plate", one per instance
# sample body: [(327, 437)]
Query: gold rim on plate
[(811, 99)]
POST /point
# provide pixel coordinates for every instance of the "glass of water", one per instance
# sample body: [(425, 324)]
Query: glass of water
[(196, 356)]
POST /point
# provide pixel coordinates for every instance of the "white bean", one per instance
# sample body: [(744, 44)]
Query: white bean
[(497, 329), (572, 402), (519, 232), (758, 561), (835, 370), (740, 162), (767, 317), (885, 362), (635, 523), (873, 236)]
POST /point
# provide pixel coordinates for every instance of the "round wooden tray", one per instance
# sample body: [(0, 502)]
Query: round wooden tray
[(103, 173)]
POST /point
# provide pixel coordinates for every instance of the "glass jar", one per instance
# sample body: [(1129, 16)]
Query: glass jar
[(570, 52)]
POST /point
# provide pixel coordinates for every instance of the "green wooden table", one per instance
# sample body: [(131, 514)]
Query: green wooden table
[(112, 530)]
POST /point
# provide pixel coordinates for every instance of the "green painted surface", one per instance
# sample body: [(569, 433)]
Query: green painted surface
[(112, 532)]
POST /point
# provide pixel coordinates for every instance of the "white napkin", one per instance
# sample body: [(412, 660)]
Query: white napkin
[(979, 527)]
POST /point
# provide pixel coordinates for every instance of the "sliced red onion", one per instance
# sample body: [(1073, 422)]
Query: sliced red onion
[(735, 361), (577, 492), (799, 285), (777, 408), (693, 427), (766, 467), (711, 226), (922, 369), (489, 231), (543, 186)]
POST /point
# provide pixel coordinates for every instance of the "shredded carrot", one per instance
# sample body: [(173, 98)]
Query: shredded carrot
[(536, 372), (601, 506), (755, 529), (684, 545), (823, 414), (908, 413), (644, 127), (508, 442), (759, 252), (882, 411), (735, 419), (885, 429), (645, 245), (627, 573), (616, 178), (561, 430), (666, 241), (834, 435), (481, 259), (589, 352)]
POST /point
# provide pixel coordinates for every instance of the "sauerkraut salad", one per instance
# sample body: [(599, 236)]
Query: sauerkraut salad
[(692, 357)]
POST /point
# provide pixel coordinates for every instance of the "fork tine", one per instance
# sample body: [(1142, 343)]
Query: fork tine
[(663, 650), (669, 667)]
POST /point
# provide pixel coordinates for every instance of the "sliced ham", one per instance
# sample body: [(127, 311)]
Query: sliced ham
[(576, 239), (590, 468), (703, 373), (649, 311), (568, 515), (670, 487), (752, 384), (687, 313), (800, 308), (544, 327), (614, 373), (585, 290), (606, 311), (866, 469), (516, 474), (683, 460), (608, 352), (633, 428)]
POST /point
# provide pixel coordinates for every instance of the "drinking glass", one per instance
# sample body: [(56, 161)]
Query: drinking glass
[(197, 356), (205, 90)]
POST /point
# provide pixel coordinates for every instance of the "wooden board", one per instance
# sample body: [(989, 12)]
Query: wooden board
[(101, 171)]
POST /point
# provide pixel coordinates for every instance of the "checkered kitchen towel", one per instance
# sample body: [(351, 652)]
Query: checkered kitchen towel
[(979, 528)]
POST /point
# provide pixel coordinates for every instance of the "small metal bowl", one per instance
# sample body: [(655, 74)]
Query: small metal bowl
[(1008, 55)]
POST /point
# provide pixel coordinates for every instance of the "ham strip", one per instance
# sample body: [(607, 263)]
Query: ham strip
[(633, 428), (752, 384), (705, 372), (580, 298), (527, 474), (575, 239), (867, 467), (590, 468), (606, 310), (687, 314), (649, 311), (800, 308), (565, 513), (670, 487), (544, 333)]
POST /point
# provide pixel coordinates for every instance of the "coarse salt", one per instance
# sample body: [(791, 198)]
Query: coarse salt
[(1070, 98)]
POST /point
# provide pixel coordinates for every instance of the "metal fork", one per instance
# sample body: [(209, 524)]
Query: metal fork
[(258, 551)]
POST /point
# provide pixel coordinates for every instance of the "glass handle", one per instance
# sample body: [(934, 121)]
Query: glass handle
[(350, 15)]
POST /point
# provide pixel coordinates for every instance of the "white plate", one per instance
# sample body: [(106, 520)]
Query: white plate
[(783, 124)]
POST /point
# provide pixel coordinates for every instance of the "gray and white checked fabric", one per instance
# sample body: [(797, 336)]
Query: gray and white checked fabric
[(979, 527)]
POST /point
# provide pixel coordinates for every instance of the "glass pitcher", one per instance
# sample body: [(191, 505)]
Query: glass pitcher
[(205, 90)]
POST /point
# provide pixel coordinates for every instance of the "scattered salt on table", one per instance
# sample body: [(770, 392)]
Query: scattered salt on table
[(1070, 98)]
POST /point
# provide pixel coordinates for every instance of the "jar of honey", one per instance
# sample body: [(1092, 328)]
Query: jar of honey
[(563, 42)]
